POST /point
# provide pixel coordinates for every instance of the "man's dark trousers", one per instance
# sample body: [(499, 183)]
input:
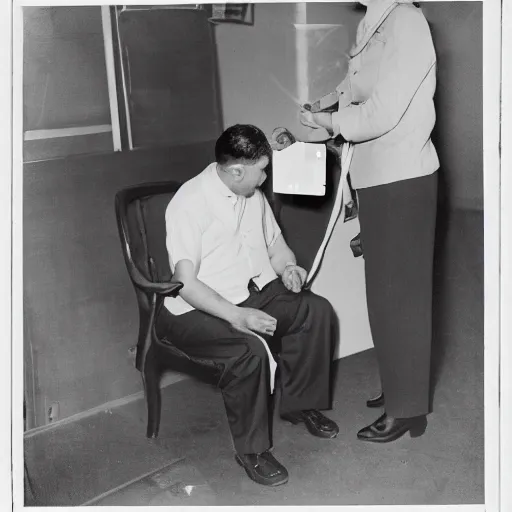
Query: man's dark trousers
[(304, 338)]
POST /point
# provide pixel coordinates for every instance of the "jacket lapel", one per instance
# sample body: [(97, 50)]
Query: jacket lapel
[(373, 20)]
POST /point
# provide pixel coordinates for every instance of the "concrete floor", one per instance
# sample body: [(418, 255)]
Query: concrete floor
[(78, 462)]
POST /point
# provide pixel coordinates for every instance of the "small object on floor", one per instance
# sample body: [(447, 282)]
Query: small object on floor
[(317, 423), (386, 429), (263, 468), (376, 402)]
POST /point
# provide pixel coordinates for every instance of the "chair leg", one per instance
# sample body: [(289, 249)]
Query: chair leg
[(151, 379)]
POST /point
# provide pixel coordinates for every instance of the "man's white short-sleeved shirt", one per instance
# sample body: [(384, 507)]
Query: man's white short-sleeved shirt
[(224, 235)]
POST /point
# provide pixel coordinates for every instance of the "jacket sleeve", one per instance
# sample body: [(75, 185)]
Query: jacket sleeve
[(340, 94), (408, 57)]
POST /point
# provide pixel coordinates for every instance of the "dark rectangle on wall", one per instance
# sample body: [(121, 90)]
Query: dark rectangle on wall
[(64, 70), (169, 68)]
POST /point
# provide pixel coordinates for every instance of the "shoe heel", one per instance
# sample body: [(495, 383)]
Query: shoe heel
[(418, 428)]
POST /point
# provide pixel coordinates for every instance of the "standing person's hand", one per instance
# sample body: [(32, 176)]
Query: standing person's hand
[(252, 320), (307, 118), (294, 278), (323, 119)]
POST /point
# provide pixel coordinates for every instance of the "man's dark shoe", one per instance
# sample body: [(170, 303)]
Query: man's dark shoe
[(318, 424), (263, 468)]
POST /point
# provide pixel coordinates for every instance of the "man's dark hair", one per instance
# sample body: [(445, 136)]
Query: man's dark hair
[(242, 142)]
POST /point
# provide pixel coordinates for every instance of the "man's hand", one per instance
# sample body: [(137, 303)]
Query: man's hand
[(294, 278), (253, 320)]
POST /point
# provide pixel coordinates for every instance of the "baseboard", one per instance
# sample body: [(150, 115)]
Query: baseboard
[(344, 352), (167, 380)]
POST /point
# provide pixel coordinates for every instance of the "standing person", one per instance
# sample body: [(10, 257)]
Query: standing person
[(241, 278), (386, 109)]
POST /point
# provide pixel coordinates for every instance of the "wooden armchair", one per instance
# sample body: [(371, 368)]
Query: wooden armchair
[(140, 212)]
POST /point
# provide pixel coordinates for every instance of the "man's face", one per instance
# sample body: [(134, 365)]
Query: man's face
[(253, 177)]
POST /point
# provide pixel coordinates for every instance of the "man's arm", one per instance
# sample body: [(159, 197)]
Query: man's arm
[(280, 255), (284, 263), (200, 296)]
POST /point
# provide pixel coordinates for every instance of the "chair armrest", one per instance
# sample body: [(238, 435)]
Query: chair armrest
[(167, 288)]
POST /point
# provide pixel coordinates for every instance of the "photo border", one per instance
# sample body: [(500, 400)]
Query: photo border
[(497, 215)]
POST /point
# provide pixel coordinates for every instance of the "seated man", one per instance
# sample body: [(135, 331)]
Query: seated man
[(241, 278)]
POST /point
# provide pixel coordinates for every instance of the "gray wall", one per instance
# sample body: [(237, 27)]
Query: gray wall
[(458, 135), (257, 69), (80, 312), (251, 57)]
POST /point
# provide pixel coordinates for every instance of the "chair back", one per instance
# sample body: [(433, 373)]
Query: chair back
[(140, 213)]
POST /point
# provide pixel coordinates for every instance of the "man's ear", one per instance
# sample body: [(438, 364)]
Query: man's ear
[(237, 171)]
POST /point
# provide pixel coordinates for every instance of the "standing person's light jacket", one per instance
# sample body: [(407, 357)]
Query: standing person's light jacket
[(386, 105)]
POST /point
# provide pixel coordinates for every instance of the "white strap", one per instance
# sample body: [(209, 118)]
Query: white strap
[(271, 361), (343, 197)]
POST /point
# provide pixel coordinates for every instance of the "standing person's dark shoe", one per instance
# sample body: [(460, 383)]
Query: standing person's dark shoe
[(386, 429), (263, 468)]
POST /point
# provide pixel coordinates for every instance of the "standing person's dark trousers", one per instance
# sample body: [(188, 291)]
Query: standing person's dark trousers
[(398, 232), (304, 337)]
